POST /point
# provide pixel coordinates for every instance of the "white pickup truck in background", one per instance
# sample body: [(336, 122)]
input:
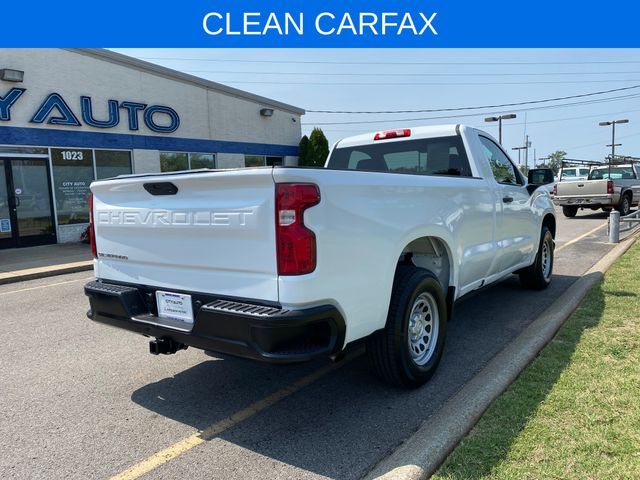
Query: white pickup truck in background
[(286, 264)]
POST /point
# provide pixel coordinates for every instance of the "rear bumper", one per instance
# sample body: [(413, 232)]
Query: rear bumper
[(246, 328), (587, 201)]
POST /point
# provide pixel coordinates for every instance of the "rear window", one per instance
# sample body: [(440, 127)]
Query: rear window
[(430, 156), (617, 173)]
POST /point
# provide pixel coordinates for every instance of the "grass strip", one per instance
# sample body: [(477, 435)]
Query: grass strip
[(575, 411)]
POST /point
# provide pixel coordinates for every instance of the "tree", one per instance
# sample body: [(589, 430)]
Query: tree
[(555, 160), (318, 150), (303, 150)]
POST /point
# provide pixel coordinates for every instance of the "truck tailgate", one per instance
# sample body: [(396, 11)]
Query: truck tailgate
[(582, 188), (216, 234)]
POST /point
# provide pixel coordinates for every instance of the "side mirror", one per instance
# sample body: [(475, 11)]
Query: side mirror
[(540, 176)]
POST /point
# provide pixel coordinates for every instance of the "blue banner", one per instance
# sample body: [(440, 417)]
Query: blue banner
[(314, 23)]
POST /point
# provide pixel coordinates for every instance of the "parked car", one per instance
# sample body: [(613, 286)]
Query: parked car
[(607, 187), (286, 264)]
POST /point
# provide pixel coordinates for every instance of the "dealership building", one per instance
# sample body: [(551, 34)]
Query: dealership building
[(71, 116)]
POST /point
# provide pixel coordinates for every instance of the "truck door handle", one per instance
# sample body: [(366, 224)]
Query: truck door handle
[(581, 185), (507, 199)]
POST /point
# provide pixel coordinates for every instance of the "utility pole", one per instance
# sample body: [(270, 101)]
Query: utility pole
[(527, 144), (499, 120), (613, 138)]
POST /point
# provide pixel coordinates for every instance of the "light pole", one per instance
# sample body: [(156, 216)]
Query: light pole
[(499, 119), (613, 138)]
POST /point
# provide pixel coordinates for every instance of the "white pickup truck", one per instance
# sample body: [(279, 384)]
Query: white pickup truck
[(285, 264)]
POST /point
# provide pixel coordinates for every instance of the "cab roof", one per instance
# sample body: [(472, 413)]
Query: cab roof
[(416, 133)]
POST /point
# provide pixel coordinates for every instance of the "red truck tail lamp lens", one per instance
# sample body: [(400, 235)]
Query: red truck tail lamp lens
[(555, 190), (295, 243), (392, 134), (92, 228), (610, 187)]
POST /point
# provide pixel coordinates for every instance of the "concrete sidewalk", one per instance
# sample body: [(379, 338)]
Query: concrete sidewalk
[(19, 264)]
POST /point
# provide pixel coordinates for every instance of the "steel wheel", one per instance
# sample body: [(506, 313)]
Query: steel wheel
[(626, 206), (547, 252), (423, 325)]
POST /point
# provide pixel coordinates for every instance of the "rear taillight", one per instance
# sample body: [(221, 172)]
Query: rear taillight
[(92, 229), (295, 243), (609, 187), (555, 190)]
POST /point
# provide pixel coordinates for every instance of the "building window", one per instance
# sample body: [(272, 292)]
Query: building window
[(111, 163), (202, 160), (72, 175), (25, 150), (173, 162), (254, 161), (274, 161), (262, 161)]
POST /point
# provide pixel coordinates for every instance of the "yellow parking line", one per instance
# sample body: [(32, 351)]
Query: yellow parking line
[(186, 444), (46, 286), (577, 239)]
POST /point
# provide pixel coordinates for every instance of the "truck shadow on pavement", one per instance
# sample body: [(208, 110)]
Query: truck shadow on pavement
[(341, 425), (493, 448)]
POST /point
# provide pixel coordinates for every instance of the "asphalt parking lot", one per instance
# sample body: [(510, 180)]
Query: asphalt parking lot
[(81, 400)]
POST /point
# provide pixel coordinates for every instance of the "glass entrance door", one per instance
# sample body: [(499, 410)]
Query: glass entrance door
[(26, 212)]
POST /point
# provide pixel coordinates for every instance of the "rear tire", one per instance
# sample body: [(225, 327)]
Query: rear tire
[(407, 352), (625, 205), (569, 211), (538, 275)]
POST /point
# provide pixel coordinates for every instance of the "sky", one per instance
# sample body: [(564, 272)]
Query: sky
[(426, 79)]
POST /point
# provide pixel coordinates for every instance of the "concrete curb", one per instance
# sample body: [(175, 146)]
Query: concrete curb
[(34, 273), (420, 455)]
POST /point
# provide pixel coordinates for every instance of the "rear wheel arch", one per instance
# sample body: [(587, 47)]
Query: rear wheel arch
[(434, 254)]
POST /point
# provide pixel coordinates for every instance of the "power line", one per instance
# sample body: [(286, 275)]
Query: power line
[(408, 84), (455, 109), (321, 62), (412, 74), (465, 115), (536, 122), (601, 142)]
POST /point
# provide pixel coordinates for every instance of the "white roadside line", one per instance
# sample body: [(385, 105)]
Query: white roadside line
[(46, 286)]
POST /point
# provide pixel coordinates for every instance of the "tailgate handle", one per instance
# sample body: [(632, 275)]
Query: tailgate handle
[(161, 188)]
